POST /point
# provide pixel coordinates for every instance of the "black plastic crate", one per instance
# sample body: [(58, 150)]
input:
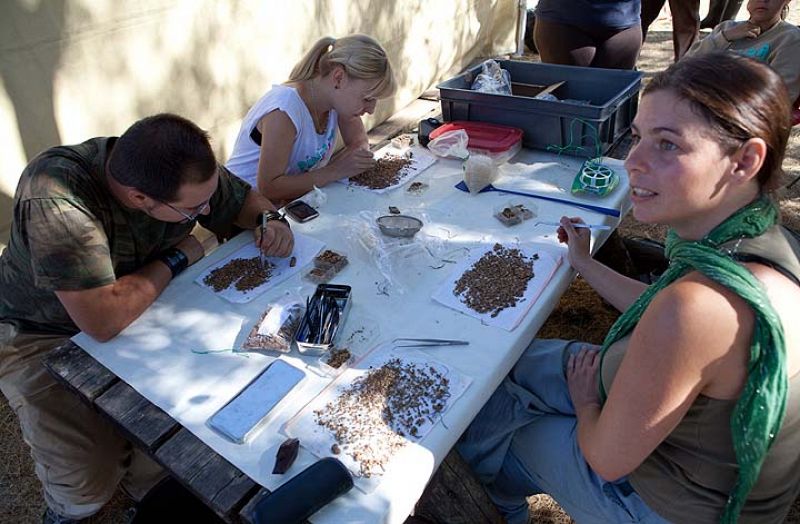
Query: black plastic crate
[(612, 95)]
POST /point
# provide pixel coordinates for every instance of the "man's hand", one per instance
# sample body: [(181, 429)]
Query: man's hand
[(277, 239), (740, 31)]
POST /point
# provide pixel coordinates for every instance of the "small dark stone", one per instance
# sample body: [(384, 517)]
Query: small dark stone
[(287, 454)]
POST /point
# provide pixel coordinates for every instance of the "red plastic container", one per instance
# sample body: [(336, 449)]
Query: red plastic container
[(497, 141)]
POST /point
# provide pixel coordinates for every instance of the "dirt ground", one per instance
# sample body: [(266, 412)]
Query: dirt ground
[(580, 314)]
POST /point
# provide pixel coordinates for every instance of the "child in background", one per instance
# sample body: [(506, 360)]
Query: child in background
[(766, 36), (286, 140)]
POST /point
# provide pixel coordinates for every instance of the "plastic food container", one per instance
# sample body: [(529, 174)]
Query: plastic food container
[(498, 142), (326, 265), (339, 364)]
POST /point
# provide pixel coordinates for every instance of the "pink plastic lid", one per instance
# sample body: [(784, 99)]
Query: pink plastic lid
[(494, 138)]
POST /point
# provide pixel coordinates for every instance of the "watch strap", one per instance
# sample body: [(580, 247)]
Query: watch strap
[(267, 216), (175, 259)]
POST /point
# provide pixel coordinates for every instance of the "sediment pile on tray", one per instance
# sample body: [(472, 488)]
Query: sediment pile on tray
[(245, 273), (337, 357), (371, 417), (387, 172), (497, 281)]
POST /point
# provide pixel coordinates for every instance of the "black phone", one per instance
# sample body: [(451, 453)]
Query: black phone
[(300, 211)]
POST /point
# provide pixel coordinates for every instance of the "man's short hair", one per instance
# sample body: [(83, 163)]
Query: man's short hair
[(160, 153)]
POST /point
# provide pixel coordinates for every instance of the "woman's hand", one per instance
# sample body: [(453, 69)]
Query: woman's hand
[(351, 161), (746, 29), (582, 377), (277, 239), (578, 241)]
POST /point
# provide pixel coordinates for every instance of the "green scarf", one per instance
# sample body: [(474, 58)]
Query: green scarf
[(759, 412)]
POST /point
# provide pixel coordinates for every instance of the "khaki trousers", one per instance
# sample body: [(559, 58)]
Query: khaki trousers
[(79, 457)]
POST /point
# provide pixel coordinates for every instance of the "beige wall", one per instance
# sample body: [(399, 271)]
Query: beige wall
[(73, 69)]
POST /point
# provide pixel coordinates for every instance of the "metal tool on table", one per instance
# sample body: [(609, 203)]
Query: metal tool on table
[(426, 342), (261, 255), (597, 209), (325, 313)]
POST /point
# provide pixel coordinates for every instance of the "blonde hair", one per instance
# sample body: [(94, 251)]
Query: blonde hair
[(360, 56)]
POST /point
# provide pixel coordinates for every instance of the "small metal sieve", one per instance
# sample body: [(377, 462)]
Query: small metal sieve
[(399, 225)]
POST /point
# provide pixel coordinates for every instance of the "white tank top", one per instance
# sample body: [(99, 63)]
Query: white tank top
[(311, 150)]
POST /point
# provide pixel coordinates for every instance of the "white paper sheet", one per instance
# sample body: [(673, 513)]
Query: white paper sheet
[(305, 249), (508, 318), (552, 175), (421, 159), (319, 440)]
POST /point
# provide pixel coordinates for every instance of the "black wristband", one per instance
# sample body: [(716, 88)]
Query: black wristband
[(175, 259), (267, 216)]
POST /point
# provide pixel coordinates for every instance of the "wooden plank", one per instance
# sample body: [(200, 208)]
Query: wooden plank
[(407, 119), (533, 90), (430, 94), (76, 369), (222, 484), (184, 454), (193, 463), (455, 496), (231, 495), (142, 421)]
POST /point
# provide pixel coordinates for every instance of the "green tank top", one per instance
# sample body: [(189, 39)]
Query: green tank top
[(689, 475)]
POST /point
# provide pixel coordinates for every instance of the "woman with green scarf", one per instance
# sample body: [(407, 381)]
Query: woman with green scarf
[(690, 411)]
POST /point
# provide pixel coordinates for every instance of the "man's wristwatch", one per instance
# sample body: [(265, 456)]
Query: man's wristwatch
[(266, 216), (175, 259)]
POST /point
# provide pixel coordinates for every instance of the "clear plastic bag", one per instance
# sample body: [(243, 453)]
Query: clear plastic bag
[(451, 144), (276, 327), (315, 198), (492, 79), (479, 172), (399, 260)]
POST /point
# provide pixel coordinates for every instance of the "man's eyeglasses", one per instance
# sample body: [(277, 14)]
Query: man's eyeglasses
[(188, 217)]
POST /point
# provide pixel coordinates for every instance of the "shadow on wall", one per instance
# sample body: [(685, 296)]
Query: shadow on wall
[(27, 71), (203, 76), (28, 68)]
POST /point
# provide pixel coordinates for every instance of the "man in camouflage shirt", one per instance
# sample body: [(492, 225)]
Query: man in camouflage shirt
[(99, 230)]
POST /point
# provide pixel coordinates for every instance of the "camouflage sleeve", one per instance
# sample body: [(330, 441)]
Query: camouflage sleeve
[(68, 245), (226, 203)]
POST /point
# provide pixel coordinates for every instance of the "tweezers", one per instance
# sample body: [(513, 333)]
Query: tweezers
[(426, 342), (261, 256)]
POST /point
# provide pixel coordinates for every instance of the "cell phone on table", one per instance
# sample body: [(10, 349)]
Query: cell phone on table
[(300, 211), (242, 416)]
